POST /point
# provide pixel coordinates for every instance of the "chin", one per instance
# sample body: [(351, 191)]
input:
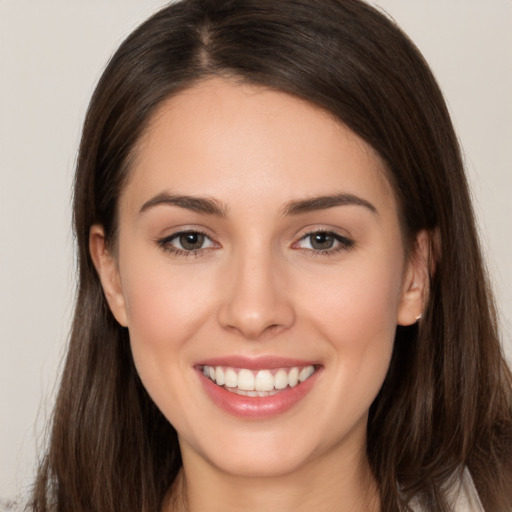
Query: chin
[(250, 453), (260, 464)]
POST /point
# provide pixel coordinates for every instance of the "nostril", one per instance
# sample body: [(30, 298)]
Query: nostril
[(256, 330)]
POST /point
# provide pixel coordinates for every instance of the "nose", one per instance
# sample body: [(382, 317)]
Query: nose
[(256, 302)]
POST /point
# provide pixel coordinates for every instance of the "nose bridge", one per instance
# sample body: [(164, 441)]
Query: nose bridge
[(255, 300)]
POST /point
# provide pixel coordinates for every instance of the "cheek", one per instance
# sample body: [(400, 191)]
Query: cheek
[(162, 298), (166, 309), (356, 314), (359, 298)]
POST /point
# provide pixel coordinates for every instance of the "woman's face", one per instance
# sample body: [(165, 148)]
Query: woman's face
[(259, 244)]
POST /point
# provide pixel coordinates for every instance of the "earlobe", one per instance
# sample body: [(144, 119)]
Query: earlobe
[(415, 284), (108, 272)]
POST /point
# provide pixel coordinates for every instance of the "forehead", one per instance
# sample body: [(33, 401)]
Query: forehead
[(222, 138)]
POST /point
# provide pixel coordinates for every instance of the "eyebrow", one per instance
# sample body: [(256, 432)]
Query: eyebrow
[(197, 204), (325, 202), (210, 206)]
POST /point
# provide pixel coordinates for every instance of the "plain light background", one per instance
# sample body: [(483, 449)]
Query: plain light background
[(51, 55)]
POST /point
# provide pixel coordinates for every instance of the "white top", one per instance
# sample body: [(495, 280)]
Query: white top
[(463, 496)]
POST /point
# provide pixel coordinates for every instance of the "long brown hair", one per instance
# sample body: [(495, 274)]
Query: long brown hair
[(446, 402)]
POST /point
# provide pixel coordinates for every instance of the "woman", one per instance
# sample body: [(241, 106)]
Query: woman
[(282, 301)]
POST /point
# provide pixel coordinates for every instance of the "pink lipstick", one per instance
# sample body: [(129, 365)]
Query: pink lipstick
[(257, 388)]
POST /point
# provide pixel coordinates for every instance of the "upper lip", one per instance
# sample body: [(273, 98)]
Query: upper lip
[(256, 363)]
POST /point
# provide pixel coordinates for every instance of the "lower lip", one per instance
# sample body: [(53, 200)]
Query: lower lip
[(259, 407)]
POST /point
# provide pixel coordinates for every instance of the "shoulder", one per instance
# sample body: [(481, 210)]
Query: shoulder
[(462, 495)]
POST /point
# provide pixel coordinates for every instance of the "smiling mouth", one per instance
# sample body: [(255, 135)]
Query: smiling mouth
[(257, 383)]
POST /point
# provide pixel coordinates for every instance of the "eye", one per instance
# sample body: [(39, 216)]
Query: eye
[(186, 242), (324, 242), (190, 241)]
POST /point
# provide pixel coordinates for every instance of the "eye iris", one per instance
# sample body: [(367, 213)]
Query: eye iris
[(192, 241), (322, 241)]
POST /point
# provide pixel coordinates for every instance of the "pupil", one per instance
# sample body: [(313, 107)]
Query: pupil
[(191, 241), (322, 241)]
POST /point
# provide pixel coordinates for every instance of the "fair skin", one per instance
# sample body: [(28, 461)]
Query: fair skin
[(260, 273)]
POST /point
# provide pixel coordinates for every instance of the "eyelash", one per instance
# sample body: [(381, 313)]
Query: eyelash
[(344, 243)]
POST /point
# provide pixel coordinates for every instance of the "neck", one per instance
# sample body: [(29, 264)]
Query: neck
[(324, 485)]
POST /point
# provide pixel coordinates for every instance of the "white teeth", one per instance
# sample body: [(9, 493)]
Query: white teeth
[(293, 377), (219, 376), (264, 381), (252, 393), (281, 379), (257, 383), (245, 380), (305, 373), (230, 378)]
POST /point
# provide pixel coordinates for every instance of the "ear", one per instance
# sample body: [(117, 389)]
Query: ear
[(106, 266), (415, 284)]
